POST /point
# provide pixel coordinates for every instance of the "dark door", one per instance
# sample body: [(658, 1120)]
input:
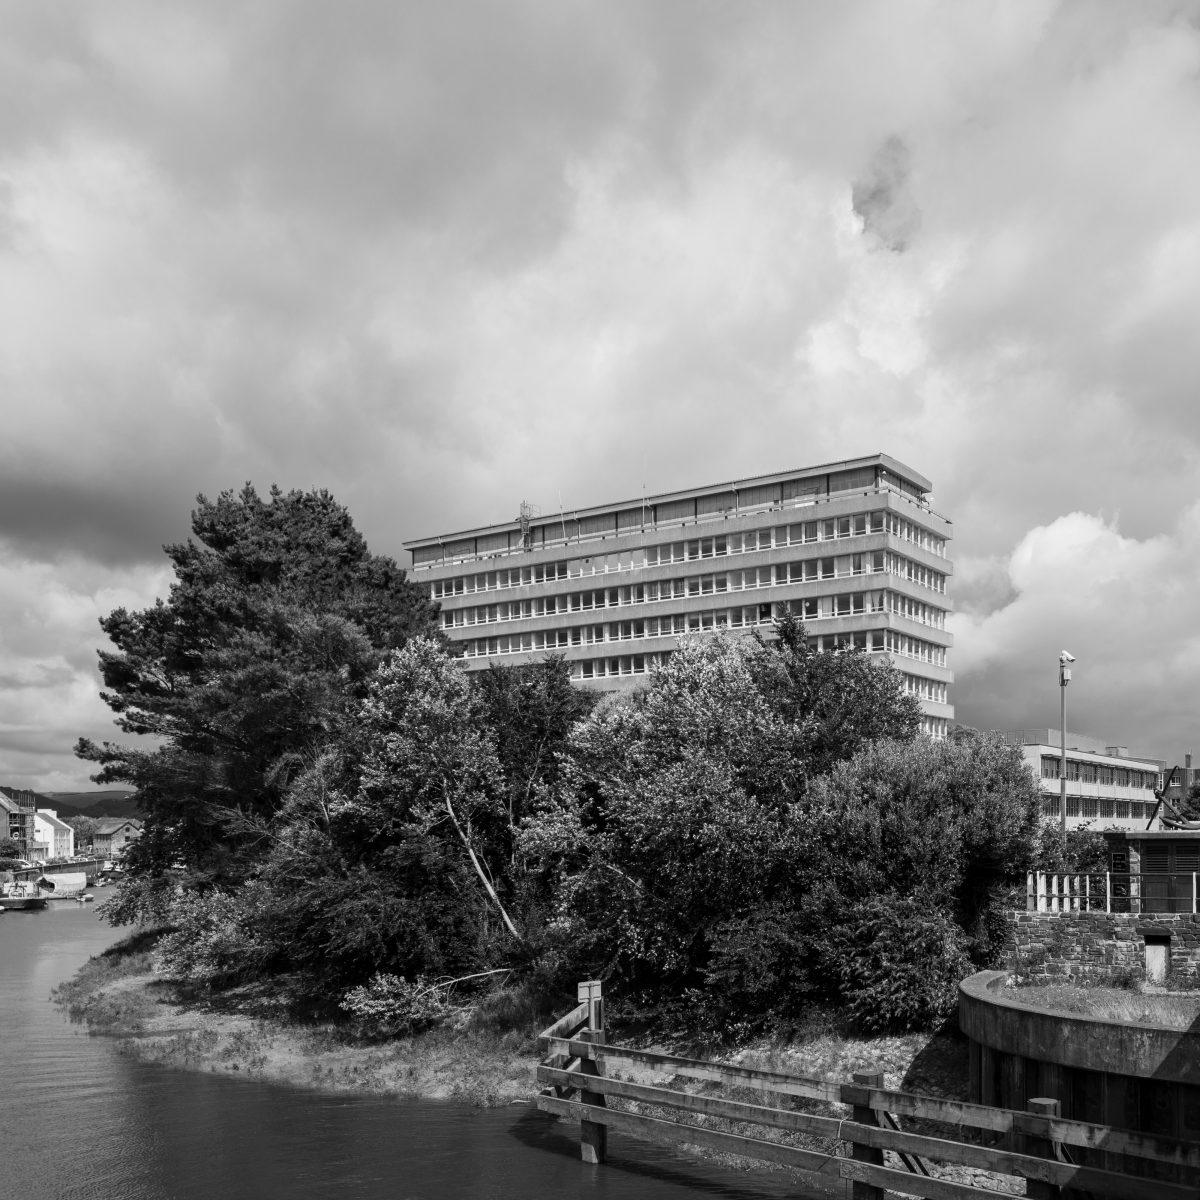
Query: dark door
[(1167, 875)]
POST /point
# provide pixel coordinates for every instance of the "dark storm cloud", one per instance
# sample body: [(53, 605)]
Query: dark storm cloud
[(440, 258), (47, 518), (883, 196)]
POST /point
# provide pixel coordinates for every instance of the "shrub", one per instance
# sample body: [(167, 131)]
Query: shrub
[(898, 964), (768, 965), (390, 1006), (210, 943)]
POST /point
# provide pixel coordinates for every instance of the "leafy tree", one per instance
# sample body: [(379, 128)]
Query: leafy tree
[(9, 848), (85, 830), (379, 864), (668, 818), (532, 710), (275, 621), (841, 700), (953, 823)]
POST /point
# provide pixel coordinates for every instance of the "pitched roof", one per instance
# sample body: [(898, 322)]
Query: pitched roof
[(112, 824)]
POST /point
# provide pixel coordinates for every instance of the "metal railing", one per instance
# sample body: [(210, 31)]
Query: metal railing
[(1113, 892)]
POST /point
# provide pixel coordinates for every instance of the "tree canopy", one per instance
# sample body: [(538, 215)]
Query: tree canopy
[(276, 618)]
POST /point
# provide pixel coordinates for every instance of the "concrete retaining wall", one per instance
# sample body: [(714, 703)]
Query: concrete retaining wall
[(1143, 1078)]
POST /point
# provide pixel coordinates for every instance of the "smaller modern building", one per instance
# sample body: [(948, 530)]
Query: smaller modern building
[(55, 836), (1106, 788)]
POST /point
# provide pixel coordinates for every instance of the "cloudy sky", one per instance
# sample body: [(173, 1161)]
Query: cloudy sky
[(443, 256)]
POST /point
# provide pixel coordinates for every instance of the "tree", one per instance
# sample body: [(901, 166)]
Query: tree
[(277, 616), (9, 848), (668, 818), (532, 710), (85, 830), (952, 823), (378, 862), (843, 700)]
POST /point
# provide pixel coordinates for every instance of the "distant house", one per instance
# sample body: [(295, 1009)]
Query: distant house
[(113, 834), (56, 835)]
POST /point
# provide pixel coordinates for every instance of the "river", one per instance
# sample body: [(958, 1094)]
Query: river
[(79, 1120)]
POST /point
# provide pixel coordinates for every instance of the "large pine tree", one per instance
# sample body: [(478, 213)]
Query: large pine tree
[(278, 615)]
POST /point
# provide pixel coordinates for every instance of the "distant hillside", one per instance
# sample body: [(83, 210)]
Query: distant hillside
[(114, 802)]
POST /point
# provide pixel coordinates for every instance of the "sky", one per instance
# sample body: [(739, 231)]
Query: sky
[(442, 257)]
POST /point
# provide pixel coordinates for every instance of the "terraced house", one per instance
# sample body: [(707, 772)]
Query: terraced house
[(852, 548)]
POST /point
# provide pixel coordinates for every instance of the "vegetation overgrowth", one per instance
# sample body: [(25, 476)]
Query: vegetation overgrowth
[(1127, 1005), (335, 806)]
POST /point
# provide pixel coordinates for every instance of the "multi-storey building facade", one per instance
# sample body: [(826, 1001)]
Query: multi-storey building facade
[(851, 548), (1106, 788)]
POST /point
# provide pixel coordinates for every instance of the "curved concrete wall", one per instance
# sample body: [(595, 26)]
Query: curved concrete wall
[(1112, 1073)]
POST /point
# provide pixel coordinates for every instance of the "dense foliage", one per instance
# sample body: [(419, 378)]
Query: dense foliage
[(334, 803), (275, 621)]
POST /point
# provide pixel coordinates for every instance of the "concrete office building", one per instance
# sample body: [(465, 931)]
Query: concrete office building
[(852, 548), (1106, 788)]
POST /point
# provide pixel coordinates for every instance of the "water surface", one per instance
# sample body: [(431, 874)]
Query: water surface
[(82, 1121)]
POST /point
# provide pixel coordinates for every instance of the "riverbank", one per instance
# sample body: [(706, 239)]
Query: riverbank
[(244, 1033), (120, 994)]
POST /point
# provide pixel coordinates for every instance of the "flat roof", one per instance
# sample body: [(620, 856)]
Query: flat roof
[(1050, 750), (848, 464)]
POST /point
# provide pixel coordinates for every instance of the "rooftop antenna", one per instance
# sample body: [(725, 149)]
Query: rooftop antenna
[(525, 516), (643, 492), (562, 516)]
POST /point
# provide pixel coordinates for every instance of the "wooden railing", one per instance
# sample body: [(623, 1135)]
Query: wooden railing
[(1037, 1146)]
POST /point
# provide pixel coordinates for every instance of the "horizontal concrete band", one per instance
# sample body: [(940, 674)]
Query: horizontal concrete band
[(994, 1016)]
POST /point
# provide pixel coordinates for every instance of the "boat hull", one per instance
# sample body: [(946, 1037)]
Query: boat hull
[(17, 903)]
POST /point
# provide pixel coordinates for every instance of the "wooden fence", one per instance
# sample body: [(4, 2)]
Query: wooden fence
[(1037, 1146)]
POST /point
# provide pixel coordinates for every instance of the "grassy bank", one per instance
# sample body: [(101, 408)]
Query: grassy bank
[(246, 1033), (490, 1062), (1170, 1011)]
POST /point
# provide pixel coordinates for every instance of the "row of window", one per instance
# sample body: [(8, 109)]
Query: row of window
[(925, 689), (806, 571), (814, 608), (718, 546), (674, 625), (1096, 808), (550, 641), (1088, 772)]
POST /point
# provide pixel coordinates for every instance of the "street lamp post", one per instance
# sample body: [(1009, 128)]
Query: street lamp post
[(1064, 677)]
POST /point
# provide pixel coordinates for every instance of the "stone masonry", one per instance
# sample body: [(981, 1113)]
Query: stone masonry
[(1102, 948)]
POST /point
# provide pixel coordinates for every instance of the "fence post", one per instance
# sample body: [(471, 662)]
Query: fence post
[(1042, 1106), (1041, 892), (1108, 891), (593, 1138), (864, 1114), (1087, 893), (1030, 893)]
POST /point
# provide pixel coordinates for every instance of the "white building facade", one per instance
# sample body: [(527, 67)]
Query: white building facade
[(852, 548), (1106, 788), (57, 837)]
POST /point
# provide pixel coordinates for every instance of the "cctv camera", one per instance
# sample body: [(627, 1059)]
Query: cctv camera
[(1066, 656)]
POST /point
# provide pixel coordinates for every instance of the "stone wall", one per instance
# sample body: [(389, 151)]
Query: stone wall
[(1102, 948)]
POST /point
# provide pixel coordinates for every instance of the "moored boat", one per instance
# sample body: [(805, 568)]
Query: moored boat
[(14, 897)]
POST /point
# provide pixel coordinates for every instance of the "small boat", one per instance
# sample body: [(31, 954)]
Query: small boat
[(21, 901)]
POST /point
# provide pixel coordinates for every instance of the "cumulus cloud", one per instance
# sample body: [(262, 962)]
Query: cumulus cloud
[(1124, 606), (442, 258)]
